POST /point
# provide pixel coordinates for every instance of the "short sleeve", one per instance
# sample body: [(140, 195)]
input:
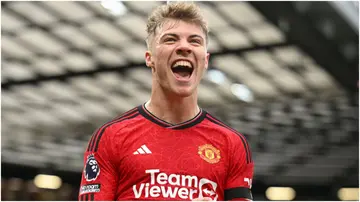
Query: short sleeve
[(99, 176), (241, 170)]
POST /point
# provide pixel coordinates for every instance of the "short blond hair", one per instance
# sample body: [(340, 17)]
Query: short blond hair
[(188, 12)]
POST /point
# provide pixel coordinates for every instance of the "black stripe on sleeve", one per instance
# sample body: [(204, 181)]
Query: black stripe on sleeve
[(238, 192), (91, 141), (102, 131), (86, 197), (241, 136), (92, 196), (96, 133)]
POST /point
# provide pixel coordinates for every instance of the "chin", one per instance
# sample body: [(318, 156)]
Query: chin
[(184, 92)]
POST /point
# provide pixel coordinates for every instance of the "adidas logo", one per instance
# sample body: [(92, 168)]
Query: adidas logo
[(142, 150)]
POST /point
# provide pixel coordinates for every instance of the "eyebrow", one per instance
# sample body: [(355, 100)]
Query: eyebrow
[(177, 36), (195, 35), (169, 34)]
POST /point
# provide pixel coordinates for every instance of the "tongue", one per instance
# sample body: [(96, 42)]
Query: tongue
[(182, 74)]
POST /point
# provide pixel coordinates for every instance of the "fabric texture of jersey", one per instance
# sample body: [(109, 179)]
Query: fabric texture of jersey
[(140, 157)]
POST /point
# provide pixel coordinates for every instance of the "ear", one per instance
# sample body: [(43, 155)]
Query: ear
[(207, 60), (148, 59)]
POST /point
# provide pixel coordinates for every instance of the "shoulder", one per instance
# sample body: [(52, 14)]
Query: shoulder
[(236, 139), (232, 134), (120, 122), (220, 125), (110, 128)]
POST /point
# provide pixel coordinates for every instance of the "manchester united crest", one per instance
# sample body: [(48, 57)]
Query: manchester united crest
[(209, 153)]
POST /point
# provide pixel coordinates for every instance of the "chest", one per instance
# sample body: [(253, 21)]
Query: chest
[(159, 155)]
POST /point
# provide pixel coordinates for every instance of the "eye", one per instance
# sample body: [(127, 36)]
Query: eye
[(169, 39), (196, 41)]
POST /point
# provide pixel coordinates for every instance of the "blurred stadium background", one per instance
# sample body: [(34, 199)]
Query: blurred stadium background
[(285, 74)]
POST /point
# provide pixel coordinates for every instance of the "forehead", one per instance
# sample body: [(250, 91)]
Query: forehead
[(180, 28)]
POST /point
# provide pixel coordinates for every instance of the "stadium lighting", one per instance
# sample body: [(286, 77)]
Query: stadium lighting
[(280, 193), (242, 92), (47, 181), (114, 7), (216, 76), (348, 194)]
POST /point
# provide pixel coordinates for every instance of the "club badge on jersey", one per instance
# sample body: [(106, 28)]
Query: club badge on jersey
[(209, 153), (91, 169)]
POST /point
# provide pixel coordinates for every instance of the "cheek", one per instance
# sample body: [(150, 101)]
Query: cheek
[(162, 57), (202, 60), (158, 56)]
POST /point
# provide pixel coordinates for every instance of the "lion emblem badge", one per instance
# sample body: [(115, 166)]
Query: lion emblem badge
[(92, 169)]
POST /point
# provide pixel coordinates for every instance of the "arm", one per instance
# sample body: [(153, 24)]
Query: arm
[(241, 169), (99, 176)]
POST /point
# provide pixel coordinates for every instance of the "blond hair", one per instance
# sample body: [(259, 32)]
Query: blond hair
[(188, 12)]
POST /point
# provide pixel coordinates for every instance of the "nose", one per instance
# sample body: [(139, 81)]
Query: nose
[(183, 49)]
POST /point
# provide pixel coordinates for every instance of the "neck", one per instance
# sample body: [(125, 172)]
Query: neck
[(173, 109)]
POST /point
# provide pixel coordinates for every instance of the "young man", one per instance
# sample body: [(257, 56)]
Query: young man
[(169, 148)]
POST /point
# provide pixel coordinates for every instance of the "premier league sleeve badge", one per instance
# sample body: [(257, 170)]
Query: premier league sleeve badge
[(92, 169)]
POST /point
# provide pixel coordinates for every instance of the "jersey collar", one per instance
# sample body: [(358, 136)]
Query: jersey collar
[(187, 124)]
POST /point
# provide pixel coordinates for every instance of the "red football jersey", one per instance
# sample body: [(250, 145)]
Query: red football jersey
[(140, 157)]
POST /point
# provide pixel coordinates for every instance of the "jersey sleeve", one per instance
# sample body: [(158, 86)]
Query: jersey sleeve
[(99, 176), (241, 169)]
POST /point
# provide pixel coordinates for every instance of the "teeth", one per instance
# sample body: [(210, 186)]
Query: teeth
[(182, 63)]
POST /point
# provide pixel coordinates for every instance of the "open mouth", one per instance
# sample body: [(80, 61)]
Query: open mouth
[(182, 69)]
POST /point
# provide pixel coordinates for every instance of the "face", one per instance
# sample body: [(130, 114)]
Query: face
[(178, 57)]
